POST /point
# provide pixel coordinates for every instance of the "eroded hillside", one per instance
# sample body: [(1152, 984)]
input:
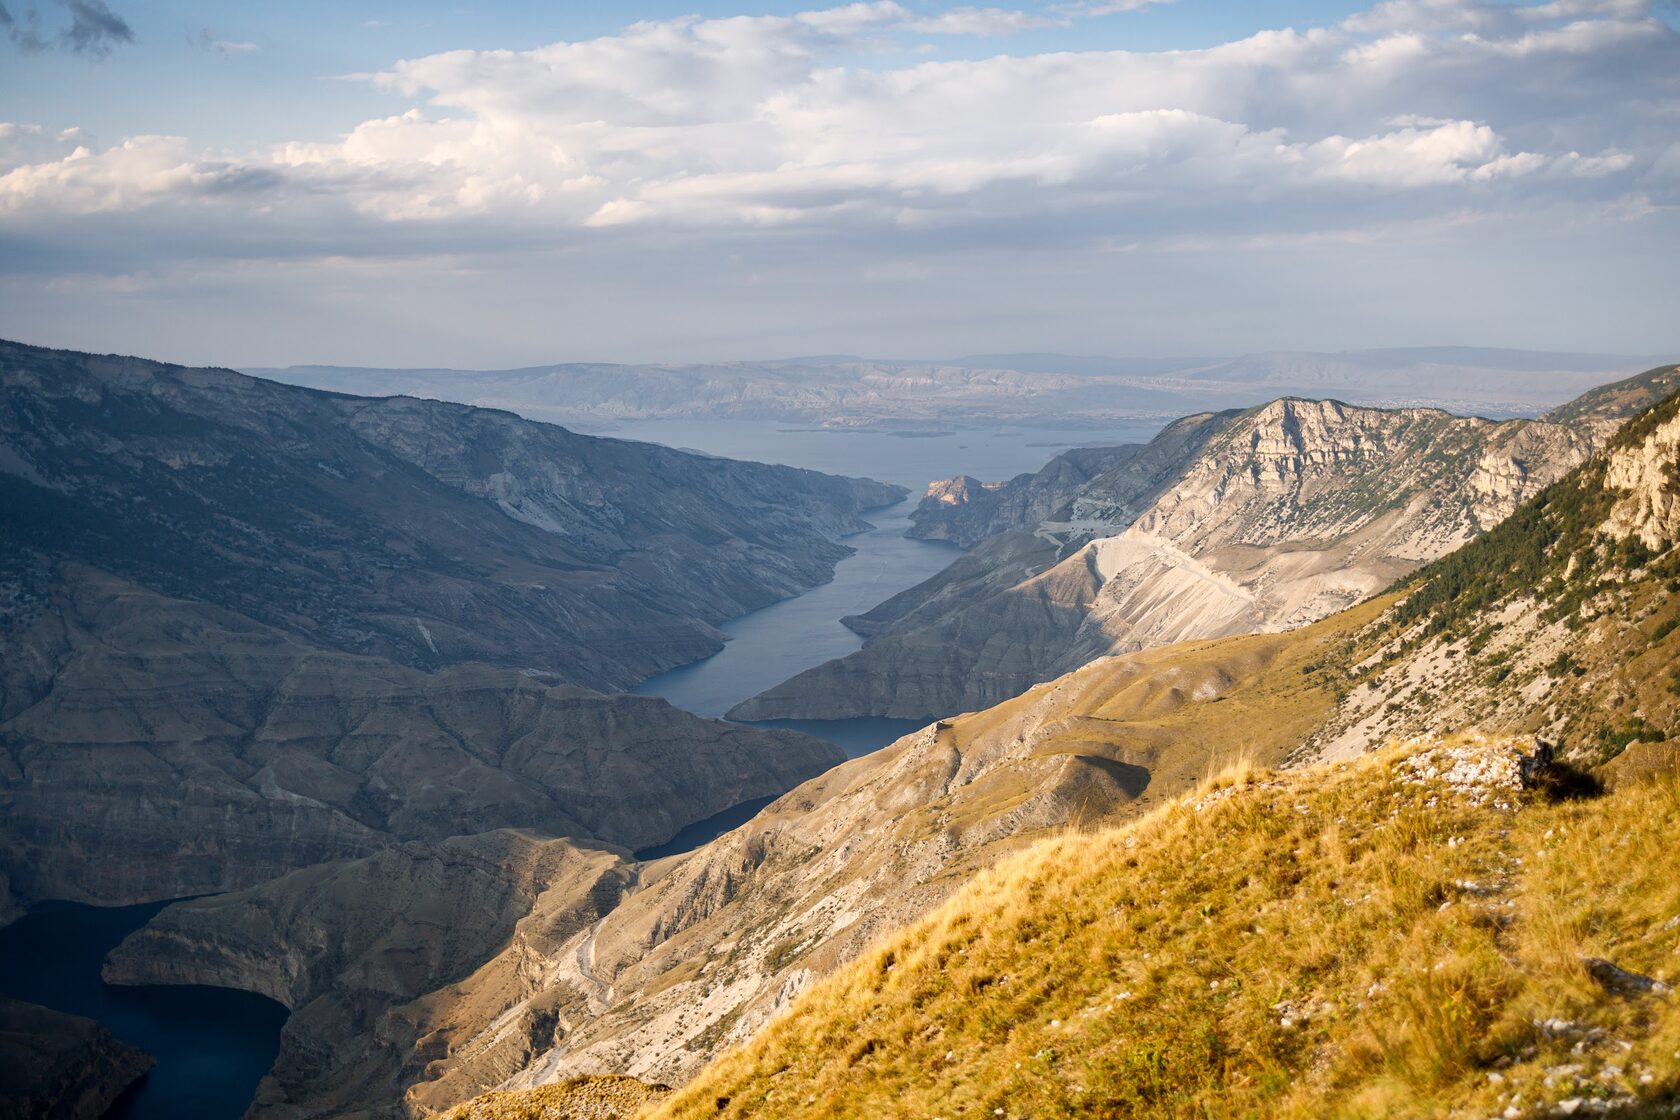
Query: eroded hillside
[(715, 943), (1412, 934)]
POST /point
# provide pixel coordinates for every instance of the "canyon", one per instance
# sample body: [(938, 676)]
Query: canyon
[(1553, 633), (1227, 523), (388, 742), (246, 628)]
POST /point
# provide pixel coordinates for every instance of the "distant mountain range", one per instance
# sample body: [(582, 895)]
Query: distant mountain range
[(849, 391)]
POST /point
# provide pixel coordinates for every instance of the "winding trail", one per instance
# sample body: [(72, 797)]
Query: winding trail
[(601, 991)]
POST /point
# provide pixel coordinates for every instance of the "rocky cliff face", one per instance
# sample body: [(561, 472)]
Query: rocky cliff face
[(1646, 475), (1569, 642), (380, 961), (1230, 523), (967, 511), (423, 532), (161, 748), (61, 1067)]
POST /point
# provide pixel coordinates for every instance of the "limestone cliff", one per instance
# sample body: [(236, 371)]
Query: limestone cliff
[(1646, 475), (1258, 521)]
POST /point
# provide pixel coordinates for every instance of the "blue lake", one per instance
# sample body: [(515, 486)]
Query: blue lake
[(212, 1045)]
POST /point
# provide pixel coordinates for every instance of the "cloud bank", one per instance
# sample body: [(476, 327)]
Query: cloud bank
[(1409, 119)]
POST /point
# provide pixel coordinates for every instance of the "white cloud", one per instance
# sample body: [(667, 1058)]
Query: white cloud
[(984, 22), (1494, 15), (766, 122)]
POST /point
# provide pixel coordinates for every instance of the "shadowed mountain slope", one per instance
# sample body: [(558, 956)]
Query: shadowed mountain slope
[(424, 532), (247, 627)]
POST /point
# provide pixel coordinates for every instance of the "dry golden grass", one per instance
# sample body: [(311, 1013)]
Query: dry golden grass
[(1341, 941), (580, 1098)]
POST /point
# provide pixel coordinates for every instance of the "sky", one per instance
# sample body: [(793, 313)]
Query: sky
[(485, 185)]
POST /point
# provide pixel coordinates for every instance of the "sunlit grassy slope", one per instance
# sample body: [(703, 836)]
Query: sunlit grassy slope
[(1408, 934), (1374, 939), (578, 1098)]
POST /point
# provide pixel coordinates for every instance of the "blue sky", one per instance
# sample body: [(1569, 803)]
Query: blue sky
[(490, 184), (172, 79)]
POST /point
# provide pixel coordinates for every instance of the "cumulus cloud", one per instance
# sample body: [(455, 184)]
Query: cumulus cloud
[(752, 123)]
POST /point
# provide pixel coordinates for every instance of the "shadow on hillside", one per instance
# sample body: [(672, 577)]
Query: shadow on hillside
[(1560, 781)]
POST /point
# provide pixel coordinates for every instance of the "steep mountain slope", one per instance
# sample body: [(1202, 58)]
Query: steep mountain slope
[(181, 749), (1619, 399), (1414, 935), (423, 532), (1273, 518), (714, 943)]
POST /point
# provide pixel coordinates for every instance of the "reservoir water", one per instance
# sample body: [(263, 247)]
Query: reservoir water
[(212, 1045), (770, 645)]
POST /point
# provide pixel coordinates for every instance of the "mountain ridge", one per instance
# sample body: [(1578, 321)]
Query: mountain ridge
[(891, 836), (1264, 518)]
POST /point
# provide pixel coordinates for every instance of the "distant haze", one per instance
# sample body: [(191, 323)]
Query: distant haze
[(846, 391)]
